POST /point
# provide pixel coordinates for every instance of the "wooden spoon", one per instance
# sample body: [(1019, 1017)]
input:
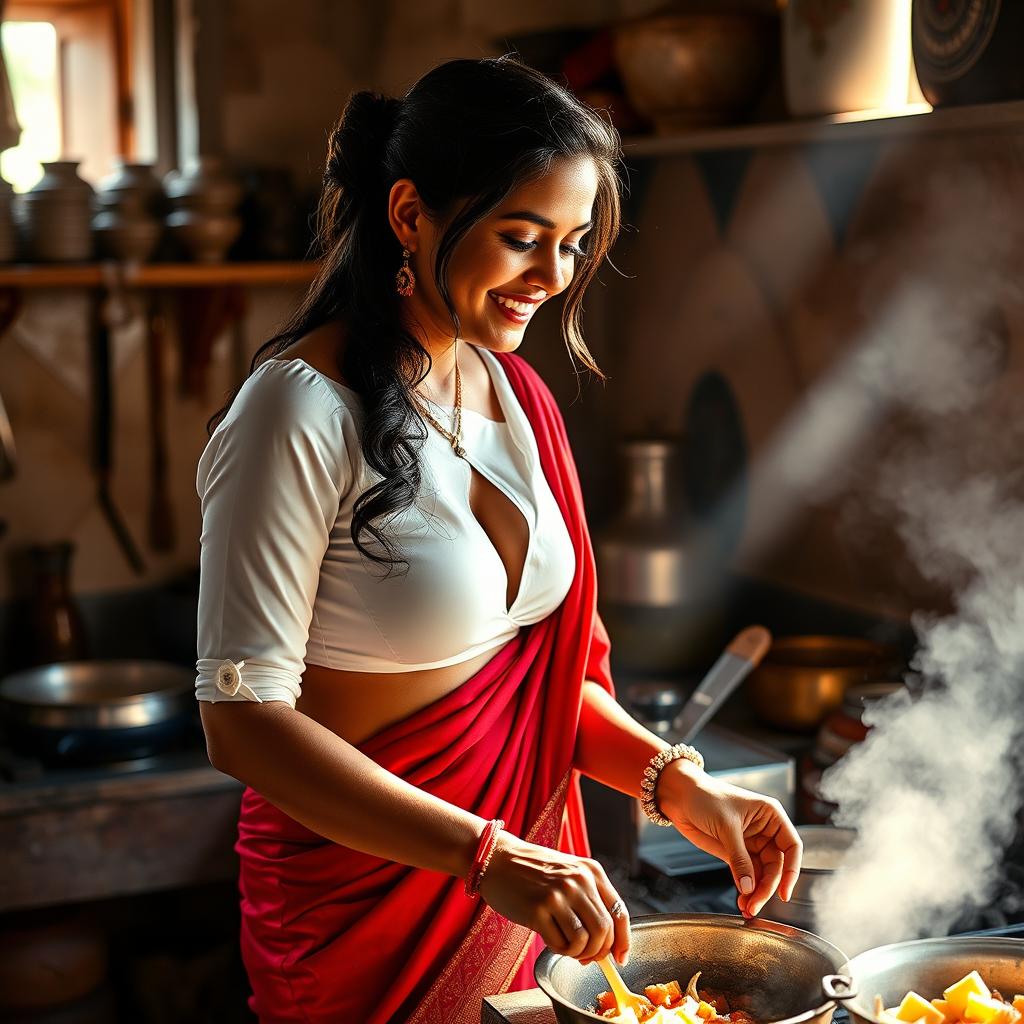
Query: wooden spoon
[(624, 999)]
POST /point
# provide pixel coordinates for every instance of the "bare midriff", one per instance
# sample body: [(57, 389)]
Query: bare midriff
[(357, 705)]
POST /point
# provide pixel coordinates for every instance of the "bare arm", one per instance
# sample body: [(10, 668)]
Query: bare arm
[(329, 786), (750, 832)]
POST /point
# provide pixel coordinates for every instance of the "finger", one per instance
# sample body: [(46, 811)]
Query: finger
[(553, 936), (619, 914), (598, 923), (771, 875), (793, 854), (740, 863), (572, 926)]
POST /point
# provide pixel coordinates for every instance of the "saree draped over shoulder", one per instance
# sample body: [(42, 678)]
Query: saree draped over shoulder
[(332, 934)]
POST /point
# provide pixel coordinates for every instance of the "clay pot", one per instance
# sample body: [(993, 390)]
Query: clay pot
[(205, 237), (688, 70), (204, 197), (126, 233), (55, 216)]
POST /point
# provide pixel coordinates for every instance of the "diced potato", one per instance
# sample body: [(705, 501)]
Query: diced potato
[(982, 1009), (946, 1010), (686, 1016), (915, 1007), (956, 995)]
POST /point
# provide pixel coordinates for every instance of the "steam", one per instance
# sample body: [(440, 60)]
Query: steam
[(935, 790)]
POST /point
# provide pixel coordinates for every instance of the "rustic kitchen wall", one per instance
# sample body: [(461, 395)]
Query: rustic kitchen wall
[(769, 266), (863, 302)]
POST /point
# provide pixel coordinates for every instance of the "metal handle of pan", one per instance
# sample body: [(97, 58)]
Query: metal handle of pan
[(839, 987)]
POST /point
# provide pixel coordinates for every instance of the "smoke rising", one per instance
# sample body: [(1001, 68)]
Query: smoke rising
[(935, 791)]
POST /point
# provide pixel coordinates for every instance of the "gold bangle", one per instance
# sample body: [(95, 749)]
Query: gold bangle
[(656, 765)]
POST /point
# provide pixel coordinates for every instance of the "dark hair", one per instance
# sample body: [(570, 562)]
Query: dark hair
[(471, 130)]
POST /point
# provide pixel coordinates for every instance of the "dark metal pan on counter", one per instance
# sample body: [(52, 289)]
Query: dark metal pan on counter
[(771, 971), (96, 711)]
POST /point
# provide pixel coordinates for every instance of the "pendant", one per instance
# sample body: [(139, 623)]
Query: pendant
[(459, 450)]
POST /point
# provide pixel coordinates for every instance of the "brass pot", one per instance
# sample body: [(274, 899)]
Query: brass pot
[(803, 678)]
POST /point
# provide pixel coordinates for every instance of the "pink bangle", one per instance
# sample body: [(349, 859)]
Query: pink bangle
[(482, 860)]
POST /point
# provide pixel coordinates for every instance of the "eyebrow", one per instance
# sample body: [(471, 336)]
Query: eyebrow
[(536, 218)]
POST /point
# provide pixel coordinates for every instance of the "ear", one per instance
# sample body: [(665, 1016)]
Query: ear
[(404, 213)]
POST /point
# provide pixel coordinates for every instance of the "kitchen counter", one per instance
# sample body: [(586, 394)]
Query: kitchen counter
[(72, 835)]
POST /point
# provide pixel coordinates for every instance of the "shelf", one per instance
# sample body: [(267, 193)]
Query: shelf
[(156, 275), (839, 128)]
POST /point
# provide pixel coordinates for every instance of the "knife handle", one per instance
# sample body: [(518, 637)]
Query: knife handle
[(751, 645)]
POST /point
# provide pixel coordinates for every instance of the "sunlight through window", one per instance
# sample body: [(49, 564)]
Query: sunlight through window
[(30, 51)]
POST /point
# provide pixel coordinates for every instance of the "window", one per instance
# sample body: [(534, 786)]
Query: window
[(69, 69)]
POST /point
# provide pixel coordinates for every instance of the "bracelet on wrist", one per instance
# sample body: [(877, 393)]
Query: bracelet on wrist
[(656, 765), (484, 854)]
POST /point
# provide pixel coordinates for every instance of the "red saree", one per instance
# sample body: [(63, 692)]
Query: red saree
[(331, 934)]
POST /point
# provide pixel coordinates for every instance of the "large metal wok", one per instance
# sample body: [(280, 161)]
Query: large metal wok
[(93, 711), (927, 966), (772, 971)]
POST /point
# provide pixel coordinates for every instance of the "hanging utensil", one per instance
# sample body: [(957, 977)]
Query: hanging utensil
[(161, 515), (103, 430), (737, 661)]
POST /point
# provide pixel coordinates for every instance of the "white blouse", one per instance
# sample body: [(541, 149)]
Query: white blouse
[(281, 583)]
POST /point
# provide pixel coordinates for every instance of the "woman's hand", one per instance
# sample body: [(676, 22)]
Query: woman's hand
[(750, 832), (568, 900)]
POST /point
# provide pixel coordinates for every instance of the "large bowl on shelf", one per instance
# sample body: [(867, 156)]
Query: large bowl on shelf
[(926, 966), (772, 971), (685, 71)]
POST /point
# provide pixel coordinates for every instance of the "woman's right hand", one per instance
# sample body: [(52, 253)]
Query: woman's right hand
[(567, 900)]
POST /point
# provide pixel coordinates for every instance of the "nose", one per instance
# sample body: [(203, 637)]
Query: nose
[(548, 270)]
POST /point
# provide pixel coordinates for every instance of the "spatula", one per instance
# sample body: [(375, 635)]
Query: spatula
[(624, 999)]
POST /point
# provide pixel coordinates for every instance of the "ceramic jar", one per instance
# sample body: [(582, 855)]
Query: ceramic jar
[(205, 198), (55, 216), (651, 565), (127, 223), (840, 56)]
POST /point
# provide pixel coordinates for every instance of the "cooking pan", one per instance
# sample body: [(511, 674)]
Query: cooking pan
[(928, 966), (772, 971), (94, 711)]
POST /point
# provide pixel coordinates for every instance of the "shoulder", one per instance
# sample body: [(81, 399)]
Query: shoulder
[(285, 409)]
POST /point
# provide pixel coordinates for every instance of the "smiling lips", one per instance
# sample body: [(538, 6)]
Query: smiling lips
[(518, 310)]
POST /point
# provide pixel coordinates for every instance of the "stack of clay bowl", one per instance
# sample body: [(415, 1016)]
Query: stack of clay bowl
[(54, 216), (129, 205), (839, 732), (205, 198)]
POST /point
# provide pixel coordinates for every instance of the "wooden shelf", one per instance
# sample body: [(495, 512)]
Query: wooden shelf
[(156, 275), (839, 128)]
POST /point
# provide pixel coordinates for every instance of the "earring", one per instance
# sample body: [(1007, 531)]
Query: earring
[(405, 279)]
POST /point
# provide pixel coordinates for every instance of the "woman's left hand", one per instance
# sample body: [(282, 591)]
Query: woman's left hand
[(750, 832)]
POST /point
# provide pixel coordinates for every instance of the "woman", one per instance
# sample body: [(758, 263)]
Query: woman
[(399, 649)]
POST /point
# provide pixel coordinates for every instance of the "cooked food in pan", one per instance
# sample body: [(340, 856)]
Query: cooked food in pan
[(969, 1001), (669, 1004)]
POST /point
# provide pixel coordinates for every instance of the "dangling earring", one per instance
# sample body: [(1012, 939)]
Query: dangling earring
[(405, 279)]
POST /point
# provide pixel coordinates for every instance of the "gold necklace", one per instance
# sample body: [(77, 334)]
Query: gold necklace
[(454, 439)]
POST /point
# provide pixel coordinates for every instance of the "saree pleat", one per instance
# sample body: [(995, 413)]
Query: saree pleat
[(333, 934)]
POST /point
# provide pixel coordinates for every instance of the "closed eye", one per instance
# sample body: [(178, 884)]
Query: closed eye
[(520, 246)]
